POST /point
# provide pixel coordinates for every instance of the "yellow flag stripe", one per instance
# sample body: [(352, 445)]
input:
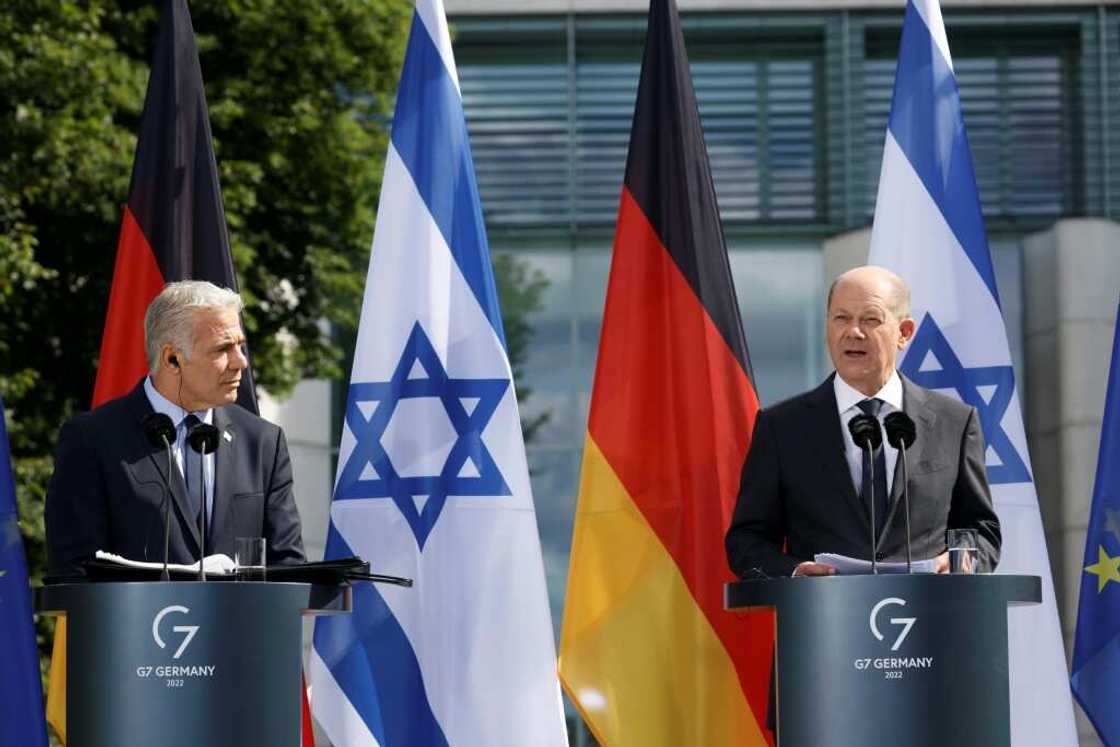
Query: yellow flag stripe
[(637, 655), (56, 687)]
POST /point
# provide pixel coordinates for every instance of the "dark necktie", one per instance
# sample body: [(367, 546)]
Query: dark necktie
[(192, 471), (872, 407)]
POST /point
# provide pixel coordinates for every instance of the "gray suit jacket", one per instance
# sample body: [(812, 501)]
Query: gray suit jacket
[(107, 491), (796, 496)]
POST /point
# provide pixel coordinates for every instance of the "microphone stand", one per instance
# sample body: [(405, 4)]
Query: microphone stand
[(203, 438), (164, 575), (871, 482), (906, 501), (202, 515)]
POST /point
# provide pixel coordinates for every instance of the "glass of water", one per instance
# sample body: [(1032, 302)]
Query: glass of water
[(964, 551), (249, 558)]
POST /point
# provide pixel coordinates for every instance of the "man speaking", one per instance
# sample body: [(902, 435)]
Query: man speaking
[(804, 489), (110, 482)]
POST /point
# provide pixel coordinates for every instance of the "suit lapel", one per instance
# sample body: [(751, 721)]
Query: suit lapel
[(224, 463), (162, 471), (826, 443)]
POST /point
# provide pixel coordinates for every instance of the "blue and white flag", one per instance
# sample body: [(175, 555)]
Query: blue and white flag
[(22, 720), (929, 229), (432, 480), (1095, 676)]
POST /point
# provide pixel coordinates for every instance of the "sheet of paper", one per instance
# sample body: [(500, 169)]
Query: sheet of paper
[(846, 566), (219, 564)]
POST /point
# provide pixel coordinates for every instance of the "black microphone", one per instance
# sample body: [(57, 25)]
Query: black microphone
[(867, 435), (203, 438), (901, 434), (160, 431)]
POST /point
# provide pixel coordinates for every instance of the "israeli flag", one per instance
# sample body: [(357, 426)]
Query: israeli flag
[(929, 229), (432, 482)]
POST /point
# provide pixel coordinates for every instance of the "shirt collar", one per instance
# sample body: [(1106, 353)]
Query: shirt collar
[(848, 396), (163, 405)]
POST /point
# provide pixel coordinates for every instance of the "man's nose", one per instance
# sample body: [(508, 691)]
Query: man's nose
[(239, 359)]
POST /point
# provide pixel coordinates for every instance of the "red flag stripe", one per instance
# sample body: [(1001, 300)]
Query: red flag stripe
[(678, 434), (136, 281)]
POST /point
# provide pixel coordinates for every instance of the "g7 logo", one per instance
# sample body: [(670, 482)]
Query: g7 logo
[(905, 622), (190, 630)]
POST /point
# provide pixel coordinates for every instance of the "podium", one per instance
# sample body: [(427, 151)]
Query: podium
[(891, 659), (186, 663)]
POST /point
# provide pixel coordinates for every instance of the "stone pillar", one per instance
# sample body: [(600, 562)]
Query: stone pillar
[(1071, 286), (306, 420), (845, 251)]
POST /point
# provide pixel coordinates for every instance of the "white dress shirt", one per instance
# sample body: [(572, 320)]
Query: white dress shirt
[(847, 401), (178, 416)]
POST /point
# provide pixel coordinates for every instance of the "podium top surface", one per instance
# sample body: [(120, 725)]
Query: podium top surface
[(304, 597), (776, 592)]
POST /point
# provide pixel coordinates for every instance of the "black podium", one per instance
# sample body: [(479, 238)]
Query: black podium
[(169, 664), (877, 660)]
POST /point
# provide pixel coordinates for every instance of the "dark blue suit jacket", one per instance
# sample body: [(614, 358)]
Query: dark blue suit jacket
[(796, 497), (107, 491)]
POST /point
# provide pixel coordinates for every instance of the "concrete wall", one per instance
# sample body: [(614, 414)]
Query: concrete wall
[(306, 420), (1072, 283)]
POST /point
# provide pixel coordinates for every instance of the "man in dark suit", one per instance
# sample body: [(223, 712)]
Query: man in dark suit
[(806, 487), (107, 491)]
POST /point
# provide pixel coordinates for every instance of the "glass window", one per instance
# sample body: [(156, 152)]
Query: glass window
[(1017, 97), (780, 294)]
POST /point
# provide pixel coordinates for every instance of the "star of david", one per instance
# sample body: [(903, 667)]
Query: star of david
[(929, 341), (468, 470)]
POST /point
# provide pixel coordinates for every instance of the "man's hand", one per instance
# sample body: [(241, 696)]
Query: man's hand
[(809, 568), (941, 563)]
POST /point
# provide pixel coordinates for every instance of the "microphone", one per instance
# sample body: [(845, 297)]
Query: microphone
[(901, 434), (203, 438), (867, 435), (160, 431)]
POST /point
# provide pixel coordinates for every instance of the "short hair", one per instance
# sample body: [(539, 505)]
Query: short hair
[(900, 292), (170, 316)]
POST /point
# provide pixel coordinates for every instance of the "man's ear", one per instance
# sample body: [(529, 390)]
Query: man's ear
[(906, 329)]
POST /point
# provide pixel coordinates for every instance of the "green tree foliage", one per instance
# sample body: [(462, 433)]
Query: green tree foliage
[(300, 96), (300, 162)]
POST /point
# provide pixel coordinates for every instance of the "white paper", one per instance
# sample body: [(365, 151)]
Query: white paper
[(215, 565), (846, 566)]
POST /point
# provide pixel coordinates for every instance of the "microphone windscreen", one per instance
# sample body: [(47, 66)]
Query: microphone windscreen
[(158, 427), (865, 431), (203, 438), (900, 429)]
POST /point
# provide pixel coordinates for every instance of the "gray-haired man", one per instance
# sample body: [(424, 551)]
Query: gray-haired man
[(107, 491)]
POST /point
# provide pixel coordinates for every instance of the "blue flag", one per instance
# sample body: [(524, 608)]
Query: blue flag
[(432, 479), (1096, 647), (22, 721)]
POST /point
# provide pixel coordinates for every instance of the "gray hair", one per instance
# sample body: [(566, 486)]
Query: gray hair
[(170, 315)]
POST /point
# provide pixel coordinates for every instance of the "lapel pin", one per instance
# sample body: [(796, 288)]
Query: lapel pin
[(227, 436)]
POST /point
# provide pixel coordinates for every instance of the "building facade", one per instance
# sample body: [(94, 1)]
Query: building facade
[(794, 98)]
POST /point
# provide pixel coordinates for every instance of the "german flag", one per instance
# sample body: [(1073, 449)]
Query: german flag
[(647, 652), (173, 228)]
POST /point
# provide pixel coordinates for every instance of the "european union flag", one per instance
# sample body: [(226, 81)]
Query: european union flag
[(21, 694), (1096, 648)]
